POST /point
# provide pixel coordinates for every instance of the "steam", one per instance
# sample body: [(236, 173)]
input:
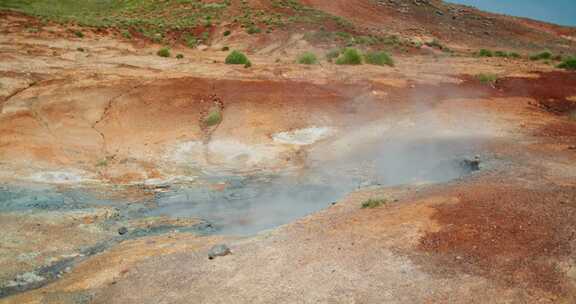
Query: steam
[(422, 144)]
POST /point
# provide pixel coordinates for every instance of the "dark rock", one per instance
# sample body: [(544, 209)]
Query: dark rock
[(471, 165), (219, 250), (122, 230)]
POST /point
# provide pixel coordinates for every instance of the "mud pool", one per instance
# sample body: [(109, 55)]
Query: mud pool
[(217, 204)]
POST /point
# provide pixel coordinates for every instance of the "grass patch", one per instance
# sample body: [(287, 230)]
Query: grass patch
[(236, 57), (163, 52), (485, 53), (541, 56), (489, 79), (102, 163), (307, 58), (213, 118), (568, 64), (373, 203), (350, 56), (379, 58)]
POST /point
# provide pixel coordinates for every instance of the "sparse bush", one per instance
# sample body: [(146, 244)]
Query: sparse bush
[(179, 56), (379, 58), (214, 118), (163, 52), (253, 30), (333, 54), (544, 55), (307, 58), (126, 34), (514, 55), (350, 56), (501, 54), (236, 57), (80, 49), (227, 33), (568, 64), (79, 34), (225, 49), (373, 203), (485, 53), (489, 79)]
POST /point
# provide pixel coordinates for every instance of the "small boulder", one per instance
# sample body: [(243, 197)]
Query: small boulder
[(122, 230), (219, 250)]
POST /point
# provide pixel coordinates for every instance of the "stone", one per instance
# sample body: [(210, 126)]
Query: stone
[(122, 230), (218, 250)]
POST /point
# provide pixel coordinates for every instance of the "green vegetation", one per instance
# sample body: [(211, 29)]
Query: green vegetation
[(485, 53), (333, 54), (163, 52), (158, 19), (236, 57), (307, 58), (214, 118), (79, 34), (179, 56), (253, 30), (350, 56), (373, 203), (379, 58), (489, 79), (225, 49), (543, 55), (102, 163), (568, 64), (435, 43)]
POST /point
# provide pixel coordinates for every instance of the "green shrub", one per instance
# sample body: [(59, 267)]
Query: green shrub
[(163, 52), (227, 33), (307, 58), (79, 34), (373, 203), (179, 56), (501, 54), (379, 58), (568, 64), (253, 30), (214, 118), (514, 55), (539, 56), (487, 78), (236, 57), (126, 34), (350, 56), (485, 53)]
